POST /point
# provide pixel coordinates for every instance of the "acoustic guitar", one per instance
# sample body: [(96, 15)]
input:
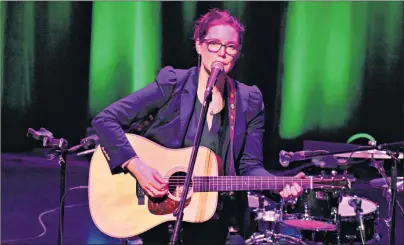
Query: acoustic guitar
[(119, 208)]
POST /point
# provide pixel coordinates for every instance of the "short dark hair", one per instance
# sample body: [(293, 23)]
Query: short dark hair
[(216, 16)]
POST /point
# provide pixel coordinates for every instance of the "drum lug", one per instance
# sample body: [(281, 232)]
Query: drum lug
[(336, 194), (306, 209), (334, 213), (351, 238)]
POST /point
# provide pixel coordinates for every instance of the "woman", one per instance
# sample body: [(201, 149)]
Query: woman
[(175, 98)]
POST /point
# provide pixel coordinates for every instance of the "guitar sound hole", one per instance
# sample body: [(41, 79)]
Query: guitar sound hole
[(176, 183)]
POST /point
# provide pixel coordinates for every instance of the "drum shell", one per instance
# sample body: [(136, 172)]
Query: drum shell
[(320, 204), (348, 225)]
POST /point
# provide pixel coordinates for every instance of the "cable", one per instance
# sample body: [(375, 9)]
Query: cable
[(47, 212), (361, 135)]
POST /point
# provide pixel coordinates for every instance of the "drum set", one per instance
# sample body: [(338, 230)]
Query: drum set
[(319, 217)]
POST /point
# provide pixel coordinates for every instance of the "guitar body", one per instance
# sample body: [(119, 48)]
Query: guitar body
[(115, 207)]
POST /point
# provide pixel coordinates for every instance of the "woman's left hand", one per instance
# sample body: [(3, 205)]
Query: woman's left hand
[(294, 191)]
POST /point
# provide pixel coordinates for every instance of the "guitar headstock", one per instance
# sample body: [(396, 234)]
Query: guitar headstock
[(333, 182)]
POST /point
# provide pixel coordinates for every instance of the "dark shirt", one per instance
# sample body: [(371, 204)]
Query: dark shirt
[(209, 138), (213, 138)]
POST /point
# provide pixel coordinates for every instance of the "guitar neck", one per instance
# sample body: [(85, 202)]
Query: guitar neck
[(247, 183)]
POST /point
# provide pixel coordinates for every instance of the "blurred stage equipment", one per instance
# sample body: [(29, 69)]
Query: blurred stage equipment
[(59, 149), (317, 153)]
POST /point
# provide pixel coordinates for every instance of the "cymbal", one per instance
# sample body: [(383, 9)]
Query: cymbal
[(374, 154), (381, 183)]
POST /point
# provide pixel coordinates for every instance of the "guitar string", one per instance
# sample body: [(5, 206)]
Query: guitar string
[(203, 183), (250, 177), (252, 181)]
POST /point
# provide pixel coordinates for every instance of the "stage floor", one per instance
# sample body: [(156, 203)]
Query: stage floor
[(30, 187)]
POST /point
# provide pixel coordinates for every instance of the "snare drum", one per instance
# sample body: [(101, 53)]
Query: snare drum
[(314, 215), (313, 210), (348, 223)]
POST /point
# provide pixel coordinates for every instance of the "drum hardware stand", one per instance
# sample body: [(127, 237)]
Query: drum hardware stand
[(387, 195), (356, 203), (386, 191), (260, 213), (393, 188), (268, 231)]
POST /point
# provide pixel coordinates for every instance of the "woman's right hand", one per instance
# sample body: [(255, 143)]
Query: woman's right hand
[(149, 178)]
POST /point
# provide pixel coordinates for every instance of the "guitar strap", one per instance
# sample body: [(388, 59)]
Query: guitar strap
[(233, 227), (232, 119), (225, 196)]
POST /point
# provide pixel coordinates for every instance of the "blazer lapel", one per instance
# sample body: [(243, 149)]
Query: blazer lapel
[(188, 95)]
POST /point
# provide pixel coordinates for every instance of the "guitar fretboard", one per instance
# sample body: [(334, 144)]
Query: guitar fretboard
[(244, 183)]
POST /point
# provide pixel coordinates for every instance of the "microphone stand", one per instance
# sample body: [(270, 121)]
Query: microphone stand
[(357, 205), (393, 188), (197, 141), (58, 149)]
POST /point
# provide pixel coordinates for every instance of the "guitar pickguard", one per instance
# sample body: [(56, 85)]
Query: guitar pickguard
[(166, 206)]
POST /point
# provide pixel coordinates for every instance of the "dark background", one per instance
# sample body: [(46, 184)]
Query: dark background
[(59, 95)]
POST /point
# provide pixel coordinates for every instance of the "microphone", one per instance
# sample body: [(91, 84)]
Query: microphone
[(391, 146), (355, 203), (89, 141), (86, 143), (285, 158), (215, 69)]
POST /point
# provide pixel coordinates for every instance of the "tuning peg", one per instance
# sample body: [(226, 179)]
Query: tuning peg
[(333, 172)]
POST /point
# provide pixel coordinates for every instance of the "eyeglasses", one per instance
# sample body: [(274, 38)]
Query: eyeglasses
[(215, 46)]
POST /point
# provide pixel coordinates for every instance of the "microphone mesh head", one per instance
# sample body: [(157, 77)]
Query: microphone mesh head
[(217, 65)]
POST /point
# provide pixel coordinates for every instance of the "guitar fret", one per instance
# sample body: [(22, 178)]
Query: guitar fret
[(261, 180), (276, 184), (231, 183)]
